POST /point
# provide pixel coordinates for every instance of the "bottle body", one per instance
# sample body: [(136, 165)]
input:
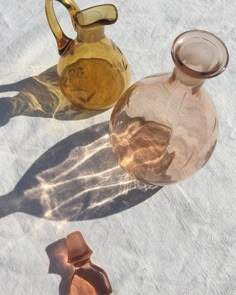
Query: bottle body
[(90, 279), (93, 75), (162, 130)]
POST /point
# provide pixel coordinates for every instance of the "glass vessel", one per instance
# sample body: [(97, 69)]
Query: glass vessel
[(88, 278), (164, 128), (92, 70)]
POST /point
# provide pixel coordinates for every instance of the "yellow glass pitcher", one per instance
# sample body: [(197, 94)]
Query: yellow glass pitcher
[(92, 70)]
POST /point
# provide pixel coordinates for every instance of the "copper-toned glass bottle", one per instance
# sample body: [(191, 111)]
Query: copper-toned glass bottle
[(92, 70), (88, 279), (164, 128)]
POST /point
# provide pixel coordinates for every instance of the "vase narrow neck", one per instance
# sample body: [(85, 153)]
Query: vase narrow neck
[(187, 80)]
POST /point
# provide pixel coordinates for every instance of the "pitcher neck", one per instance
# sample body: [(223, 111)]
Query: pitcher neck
[(187, 80), (93, 34)]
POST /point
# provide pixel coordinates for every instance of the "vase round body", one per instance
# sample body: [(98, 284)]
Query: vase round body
[(164, 128), (92, 70)]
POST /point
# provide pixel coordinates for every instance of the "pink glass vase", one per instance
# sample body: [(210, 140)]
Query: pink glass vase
[(164, 128)]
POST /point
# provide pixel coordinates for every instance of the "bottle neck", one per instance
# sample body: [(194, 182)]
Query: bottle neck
[(93, 34), (186, 79)]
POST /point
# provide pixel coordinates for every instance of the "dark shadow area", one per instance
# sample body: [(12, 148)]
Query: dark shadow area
[(77, 179), (57, 254), (39, 96)]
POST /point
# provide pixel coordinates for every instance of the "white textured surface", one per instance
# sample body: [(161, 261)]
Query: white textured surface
[(182, 240)]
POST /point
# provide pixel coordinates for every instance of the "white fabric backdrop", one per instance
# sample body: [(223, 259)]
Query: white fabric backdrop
[(182, 240)]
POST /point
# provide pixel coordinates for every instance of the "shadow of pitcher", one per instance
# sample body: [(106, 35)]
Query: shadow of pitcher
[(39, 96)]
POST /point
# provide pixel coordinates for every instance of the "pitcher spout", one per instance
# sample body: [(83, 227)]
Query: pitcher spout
[(91, 21)]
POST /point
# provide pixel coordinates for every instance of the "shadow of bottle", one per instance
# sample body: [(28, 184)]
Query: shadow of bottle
[(77, 179), (39, 96)]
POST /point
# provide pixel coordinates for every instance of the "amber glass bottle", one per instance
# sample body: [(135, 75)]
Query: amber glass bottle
[(92, 70)]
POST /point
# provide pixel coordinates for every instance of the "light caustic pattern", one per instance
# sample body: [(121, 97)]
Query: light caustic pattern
[(87, 179), (143, 149)]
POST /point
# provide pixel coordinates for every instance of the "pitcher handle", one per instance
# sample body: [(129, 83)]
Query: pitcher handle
[(62, 40)]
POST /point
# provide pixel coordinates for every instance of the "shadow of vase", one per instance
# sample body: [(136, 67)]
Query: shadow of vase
[(77, 179), (39, 96)]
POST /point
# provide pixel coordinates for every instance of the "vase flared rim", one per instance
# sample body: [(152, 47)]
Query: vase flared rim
[(209, 43)]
